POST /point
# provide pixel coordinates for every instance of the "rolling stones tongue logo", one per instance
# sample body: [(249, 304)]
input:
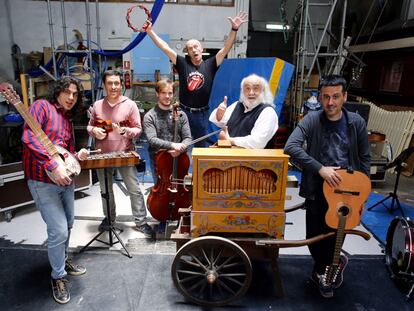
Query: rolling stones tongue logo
[(195, 81)]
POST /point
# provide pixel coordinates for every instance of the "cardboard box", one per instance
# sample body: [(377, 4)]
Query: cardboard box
[(47, 54), (377, 171), (85, 79), (313, 81)]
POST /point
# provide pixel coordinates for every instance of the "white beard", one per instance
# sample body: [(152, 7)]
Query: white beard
[(250, 104)]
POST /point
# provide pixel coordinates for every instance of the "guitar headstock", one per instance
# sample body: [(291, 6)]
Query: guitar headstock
[(9, 94)]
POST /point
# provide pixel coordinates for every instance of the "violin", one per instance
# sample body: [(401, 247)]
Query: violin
[(107, 125), (169, 194)]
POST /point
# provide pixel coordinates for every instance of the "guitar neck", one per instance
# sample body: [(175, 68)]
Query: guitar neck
[(37, 130), (333, 269), (339, 240)]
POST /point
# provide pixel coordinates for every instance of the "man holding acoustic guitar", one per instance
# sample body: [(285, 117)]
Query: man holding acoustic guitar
[(114, 122), (49, 168), (335, 138)]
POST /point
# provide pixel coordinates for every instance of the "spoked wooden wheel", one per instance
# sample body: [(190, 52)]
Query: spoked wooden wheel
[(211, 271)]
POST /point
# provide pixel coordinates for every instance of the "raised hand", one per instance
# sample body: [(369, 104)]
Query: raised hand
[(147, 26), (221, 109), (238, 20)]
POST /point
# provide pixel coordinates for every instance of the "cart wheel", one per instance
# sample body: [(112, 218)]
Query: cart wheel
[(211, 271)]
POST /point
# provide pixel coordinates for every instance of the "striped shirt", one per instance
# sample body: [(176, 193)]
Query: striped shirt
[(58, 127)]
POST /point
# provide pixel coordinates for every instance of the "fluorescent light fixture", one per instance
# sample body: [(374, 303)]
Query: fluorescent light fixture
[(204, 53), (276, 27)]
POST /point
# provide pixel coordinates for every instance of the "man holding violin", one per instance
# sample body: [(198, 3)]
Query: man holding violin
[(159, 125), (114, 123)]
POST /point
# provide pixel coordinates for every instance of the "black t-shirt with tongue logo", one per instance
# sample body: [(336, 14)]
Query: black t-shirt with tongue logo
[(195, 81)]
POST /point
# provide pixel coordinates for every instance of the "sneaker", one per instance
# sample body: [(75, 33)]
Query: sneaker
[(73, 269), (60, 291), (146, 230), (343, 262), (324, 289)]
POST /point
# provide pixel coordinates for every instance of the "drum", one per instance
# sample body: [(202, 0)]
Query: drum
[(399, 250)]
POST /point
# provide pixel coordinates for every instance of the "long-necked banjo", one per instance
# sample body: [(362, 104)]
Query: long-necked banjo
[(57, 152)]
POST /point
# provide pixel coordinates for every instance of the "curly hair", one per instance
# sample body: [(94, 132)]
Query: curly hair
[(61, 85)]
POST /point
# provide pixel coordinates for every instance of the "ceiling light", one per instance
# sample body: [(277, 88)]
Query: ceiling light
[(276, 26)]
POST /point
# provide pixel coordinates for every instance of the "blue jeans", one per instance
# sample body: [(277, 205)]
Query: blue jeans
[(130, 177), (199, 126), (57, 207)]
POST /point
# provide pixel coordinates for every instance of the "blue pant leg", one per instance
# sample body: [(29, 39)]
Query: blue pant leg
[(199, 126), (56, 206)]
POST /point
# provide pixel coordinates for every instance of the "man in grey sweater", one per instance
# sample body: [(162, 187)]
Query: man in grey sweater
[(159, 125)]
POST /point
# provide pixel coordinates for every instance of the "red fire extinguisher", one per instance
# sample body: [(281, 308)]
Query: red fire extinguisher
[(127, 79)]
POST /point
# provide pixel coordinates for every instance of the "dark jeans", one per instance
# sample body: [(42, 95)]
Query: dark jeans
[(322, 252), (199, 126)]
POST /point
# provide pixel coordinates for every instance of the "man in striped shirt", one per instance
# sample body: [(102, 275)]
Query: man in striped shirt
[(54, 199)]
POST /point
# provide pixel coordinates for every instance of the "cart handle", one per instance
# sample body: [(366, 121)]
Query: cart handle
[(297, 243)]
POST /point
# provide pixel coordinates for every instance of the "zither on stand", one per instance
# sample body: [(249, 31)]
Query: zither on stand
[(110, 228)]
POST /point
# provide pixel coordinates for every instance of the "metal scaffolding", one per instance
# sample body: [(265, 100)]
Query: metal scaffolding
[(308, 44), (66, 51)]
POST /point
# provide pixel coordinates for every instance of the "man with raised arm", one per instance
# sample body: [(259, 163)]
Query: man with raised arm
[(196, 76)]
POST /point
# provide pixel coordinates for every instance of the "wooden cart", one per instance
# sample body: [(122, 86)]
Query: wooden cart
[(238, 213)]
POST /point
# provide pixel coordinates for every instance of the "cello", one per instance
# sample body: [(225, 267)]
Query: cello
[(167, 196)]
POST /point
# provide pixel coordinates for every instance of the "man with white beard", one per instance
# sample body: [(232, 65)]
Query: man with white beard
[(251, 122)]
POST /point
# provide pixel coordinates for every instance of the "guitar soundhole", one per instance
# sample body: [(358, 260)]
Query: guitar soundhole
[(344, 210), (62, 156)]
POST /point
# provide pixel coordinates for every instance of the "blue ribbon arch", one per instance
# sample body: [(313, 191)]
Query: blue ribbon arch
[(155, 11)]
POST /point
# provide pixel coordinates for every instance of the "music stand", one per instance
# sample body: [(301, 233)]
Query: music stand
[(110, 228), (398, 163)]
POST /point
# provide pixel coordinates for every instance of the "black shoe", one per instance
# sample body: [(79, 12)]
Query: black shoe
[(60, 291), (73, 269), (324, 289), (146, 230), (343, 262)]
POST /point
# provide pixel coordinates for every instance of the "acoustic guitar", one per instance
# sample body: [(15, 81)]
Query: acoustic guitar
[(57, 152), (346, 203)]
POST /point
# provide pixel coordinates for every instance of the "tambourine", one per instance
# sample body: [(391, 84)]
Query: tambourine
[(146, 23)]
